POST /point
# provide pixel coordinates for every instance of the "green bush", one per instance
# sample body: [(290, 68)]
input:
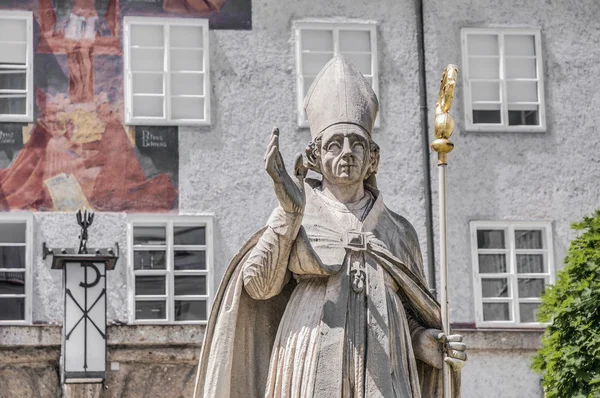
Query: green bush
[(569, 360)]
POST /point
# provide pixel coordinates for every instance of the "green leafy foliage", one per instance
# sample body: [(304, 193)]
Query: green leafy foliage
[(569, 360)]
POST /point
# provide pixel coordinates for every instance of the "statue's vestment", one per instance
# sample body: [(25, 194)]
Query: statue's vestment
[(335, 320)]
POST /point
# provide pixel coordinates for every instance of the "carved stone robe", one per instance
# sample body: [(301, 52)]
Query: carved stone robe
[(335, 321)]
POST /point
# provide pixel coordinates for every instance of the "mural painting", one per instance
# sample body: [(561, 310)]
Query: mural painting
[(78, 152)]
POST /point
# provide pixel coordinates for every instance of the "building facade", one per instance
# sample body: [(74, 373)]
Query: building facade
[(156, 114)]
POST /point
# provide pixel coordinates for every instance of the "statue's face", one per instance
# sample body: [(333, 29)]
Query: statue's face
[(345, 156)]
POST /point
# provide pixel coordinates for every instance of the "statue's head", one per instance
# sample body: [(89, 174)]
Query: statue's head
[(341, 107)]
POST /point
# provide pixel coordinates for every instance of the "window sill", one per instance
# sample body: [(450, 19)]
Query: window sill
[(167, 123), (504, 339), (16, 119), (503, 129)]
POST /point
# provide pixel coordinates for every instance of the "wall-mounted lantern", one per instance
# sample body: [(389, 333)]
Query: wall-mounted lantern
[(84, 328)]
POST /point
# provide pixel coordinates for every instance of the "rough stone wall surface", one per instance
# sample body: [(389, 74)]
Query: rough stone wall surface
[(500, 374), (143, 361), (61, 230), (520, 176), (254, 88)]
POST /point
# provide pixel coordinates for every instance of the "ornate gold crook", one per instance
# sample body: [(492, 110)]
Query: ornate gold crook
[(443, 124)]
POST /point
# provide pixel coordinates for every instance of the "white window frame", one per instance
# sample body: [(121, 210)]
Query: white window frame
[(493, 127), (28, 117), (334, 26), (166, 120), (169, 221), (511, 274), (27, 219)]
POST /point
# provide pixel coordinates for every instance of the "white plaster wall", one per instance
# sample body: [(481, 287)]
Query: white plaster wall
[(60, 230), (221, 167), (500, 374), (253, 79), (520, 176)]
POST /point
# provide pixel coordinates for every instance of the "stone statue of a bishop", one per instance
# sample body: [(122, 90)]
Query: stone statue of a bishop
[(329, 299)]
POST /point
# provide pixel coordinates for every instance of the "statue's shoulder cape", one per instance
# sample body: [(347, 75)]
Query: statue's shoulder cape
[(234, 361)]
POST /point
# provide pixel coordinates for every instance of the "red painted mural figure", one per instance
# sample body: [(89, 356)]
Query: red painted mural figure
[(104, 166), (81, 35), (184, 6)]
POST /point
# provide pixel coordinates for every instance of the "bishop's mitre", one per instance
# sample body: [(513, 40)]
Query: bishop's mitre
[(340, 94)]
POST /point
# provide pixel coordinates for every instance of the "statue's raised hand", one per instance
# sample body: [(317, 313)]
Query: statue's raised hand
[(289, 190)]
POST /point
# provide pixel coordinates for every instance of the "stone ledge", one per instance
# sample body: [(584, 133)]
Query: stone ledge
[(501, 339), (192, 336), (118, 335)]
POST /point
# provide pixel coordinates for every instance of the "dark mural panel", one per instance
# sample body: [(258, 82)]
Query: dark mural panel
[(78, 152)]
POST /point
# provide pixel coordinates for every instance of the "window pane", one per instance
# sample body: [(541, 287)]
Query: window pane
[(495, 312), (15, 29), (190, 310), (192, 235), (190, 285), (143, 59), (485, 91), (13, 79), (147, 35), (530, 263), (149, 260), (528, 239), (13, 53), (186, 36), (12, 257), (308, 81), (187, 60), (490, 239), (317, 40), (148, 107), (13, 106), (313, 63), (531, 287), (520, 68), (361, 61), (482, 44), (484, 68), (521, 91), (355, 40), (150, 310), (187, 108), (149, 285), (12, 309), (187, 83), (12, 232), (529, 311), (149, 235), (190, 260), (147, 83), (492, 263), (12, 282), (487, 117), (519, 44), (523, 118), (497, 287)]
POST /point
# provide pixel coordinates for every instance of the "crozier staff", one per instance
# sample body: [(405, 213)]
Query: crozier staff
[(329, 299)]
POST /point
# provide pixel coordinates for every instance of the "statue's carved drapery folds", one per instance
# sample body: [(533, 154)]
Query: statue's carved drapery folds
[(329, 299)]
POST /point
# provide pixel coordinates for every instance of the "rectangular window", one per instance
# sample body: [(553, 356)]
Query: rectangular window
[(512, 265), (16, 66), (171, 268), (15, 269), (166, 71), (318, 42), (503, 80)]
